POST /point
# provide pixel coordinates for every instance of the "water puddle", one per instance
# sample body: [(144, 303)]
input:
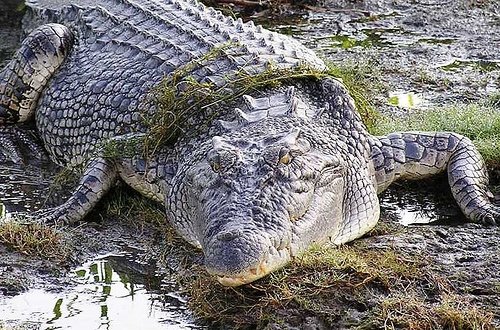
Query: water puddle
[(376, 17), (437, 41), (367, 38), (292, 25), (426, 202), (406, 100), (383, 37), (481, 65), (26, 189), (111, 292)]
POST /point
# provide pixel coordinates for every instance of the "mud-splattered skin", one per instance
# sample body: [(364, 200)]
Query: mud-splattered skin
[(273, 173)]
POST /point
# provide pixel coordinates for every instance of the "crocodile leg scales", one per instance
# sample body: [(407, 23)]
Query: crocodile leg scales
[(27, 74), (101, 174), (415, 155)]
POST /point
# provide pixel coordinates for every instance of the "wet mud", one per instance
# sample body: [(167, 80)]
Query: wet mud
[(121, 272)]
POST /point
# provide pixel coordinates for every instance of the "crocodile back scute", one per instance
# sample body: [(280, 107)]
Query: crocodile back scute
[(126, 47)]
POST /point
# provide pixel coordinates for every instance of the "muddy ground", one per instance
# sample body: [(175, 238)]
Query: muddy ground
[(441, 51)]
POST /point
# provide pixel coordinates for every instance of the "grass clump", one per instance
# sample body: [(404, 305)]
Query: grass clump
[(321, 282), (381, 265), (389, 288), (127, 205), (412, 312), (479, 122), (180, 98), (34, 240)]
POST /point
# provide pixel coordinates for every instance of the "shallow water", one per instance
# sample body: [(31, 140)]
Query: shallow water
[(110, 292)]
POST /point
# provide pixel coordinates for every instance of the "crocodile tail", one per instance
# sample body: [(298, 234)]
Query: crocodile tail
[(27, 74)]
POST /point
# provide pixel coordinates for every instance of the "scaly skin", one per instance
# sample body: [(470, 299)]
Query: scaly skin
[(275, 172)]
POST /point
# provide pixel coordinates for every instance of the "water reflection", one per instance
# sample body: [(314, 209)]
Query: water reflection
[(111, 292), (27, 188), (407, 100), (422, 202)]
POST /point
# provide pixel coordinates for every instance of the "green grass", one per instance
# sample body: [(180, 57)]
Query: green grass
[(35, 240)]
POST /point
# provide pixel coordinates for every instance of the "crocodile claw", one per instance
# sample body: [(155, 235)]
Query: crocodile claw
[(489, 220), (489, 217), (54, 216)]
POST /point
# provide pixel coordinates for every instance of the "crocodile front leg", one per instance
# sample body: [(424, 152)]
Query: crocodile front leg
[(27, 74), (415, 155), (101, 174)]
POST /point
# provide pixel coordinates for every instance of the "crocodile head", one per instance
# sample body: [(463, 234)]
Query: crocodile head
[(257, 199), (286, 172)]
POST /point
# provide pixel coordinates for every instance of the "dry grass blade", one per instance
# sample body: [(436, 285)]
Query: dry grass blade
[(34, 239)]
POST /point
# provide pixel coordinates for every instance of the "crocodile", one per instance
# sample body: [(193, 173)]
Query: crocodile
[(253, 181)]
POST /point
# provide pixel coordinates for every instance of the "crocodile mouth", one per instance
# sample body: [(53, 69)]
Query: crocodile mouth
[(276, 259)]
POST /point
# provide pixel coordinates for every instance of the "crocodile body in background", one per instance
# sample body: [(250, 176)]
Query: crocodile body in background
[(274, 171)]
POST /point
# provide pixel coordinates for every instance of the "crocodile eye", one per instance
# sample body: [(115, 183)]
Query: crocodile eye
[(215, 165), (285, 157), (214, 160)]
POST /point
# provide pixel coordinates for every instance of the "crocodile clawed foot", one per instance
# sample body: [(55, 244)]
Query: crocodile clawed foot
[(55, 216), (489, 220), (490, 217)]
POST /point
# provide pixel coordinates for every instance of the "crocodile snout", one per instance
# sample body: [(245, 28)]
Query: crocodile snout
[(239, 256)]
